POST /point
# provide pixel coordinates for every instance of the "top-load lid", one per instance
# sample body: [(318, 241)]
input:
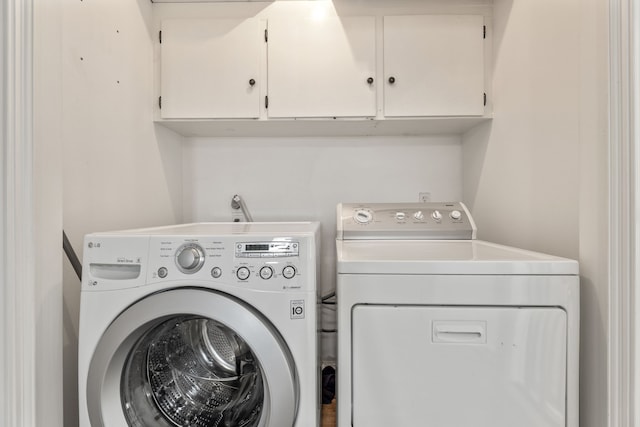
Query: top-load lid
[(460, 257), (404, 221)]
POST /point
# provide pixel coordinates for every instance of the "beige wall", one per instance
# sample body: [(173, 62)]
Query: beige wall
[(47, 164), (536, 177), (120, 171)]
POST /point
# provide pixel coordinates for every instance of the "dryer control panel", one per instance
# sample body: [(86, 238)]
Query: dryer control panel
[(402, 221)]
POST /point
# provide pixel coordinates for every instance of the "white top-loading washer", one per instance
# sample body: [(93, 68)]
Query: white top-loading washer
[(437, 328)]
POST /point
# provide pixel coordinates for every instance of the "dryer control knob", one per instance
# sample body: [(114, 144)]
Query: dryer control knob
[(190, 258), (362, 216), (455, 215), (436, 215), (418, 215)]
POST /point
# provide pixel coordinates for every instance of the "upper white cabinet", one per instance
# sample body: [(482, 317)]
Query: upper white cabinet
[(210, 68), (434, 65), (385, 75), (322, 68)]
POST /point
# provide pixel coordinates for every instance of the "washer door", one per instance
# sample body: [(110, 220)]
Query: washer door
[(191, 357)]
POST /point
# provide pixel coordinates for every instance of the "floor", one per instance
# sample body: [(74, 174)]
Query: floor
[(329, 415)]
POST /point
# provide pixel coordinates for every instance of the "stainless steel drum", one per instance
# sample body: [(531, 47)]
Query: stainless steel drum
[(192, 371)]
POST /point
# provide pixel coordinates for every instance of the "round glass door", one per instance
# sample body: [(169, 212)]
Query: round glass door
[(192, 371), (191, 357)]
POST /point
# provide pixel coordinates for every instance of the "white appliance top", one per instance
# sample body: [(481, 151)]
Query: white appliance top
[(222, 229), (446, 257), (429, 238)]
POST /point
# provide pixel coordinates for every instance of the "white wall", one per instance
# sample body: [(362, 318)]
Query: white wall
[(521, 170), (4, 389), (47, 161), (120, 170), (593, 17), (288, 179), (536, 177), (293, 179)]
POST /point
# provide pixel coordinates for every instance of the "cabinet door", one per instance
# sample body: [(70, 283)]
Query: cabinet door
[(433, 65), (320, 68), (210, 68)]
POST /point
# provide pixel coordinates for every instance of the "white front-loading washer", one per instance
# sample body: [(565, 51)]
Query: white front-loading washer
[(438, 328), (210, 324)]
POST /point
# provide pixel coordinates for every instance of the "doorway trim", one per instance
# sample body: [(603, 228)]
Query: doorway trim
[(17, 309), (624, 220)]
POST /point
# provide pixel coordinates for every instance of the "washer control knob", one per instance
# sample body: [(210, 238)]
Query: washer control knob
[(419, 215), (289, 271), (243, 273), (266, 272), (362, 216), (401, 216), (455, 215), (162, 272), (436, 215), (190, 258), (216, 272)]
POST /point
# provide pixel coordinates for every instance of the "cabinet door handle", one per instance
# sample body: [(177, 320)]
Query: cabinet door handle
[(370, 80), (392, 80), (252, 82)]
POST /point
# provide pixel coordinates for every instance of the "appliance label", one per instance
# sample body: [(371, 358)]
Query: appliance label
[(296, 310)]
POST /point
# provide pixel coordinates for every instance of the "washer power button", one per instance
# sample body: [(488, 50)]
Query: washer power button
[(216, 272)]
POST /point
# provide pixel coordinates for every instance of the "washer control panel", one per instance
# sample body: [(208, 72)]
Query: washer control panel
[(275, 262), (420, 221), (278, 257), (267, 260)]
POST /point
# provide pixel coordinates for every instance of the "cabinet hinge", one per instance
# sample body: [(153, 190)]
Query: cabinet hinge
[(266, 102), (160, 36), (160, 102), (484, 31), (266, 35), (485, 99)]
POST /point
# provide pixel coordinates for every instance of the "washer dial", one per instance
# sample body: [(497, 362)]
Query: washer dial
[(266, 272), (243, 273), (190, 258), (289, 271)]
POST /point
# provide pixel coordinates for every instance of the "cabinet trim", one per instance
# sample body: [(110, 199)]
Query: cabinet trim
[(413, 126)]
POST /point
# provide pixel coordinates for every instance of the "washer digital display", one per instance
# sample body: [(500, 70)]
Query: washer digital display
[(278, 248)]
